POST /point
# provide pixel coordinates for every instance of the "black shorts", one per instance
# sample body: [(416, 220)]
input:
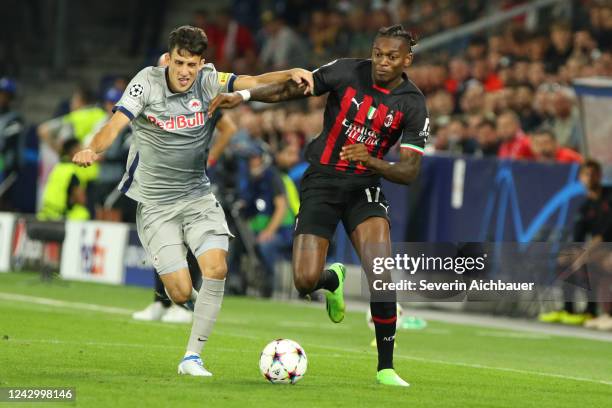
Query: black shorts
[(326, 199)]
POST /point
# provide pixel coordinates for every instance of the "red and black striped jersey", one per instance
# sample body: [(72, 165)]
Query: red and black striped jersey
[(358, 111)]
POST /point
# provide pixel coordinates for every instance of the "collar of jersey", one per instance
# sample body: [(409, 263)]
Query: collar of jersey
[(397, 89)]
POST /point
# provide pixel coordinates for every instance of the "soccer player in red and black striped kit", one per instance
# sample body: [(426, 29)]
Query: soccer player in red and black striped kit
[(371, 105)]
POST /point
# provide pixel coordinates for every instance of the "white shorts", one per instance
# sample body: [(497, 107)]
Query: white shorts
[(165, 231)]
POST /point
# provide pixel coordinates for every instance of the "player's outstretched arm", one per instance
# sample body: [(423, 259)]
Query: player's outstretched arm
[(403, 172), (102, 140), (267, 93), (298, 75)]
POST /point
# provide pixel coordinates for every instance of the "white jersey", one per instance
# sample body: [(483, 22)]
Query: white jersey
[(171, 135)]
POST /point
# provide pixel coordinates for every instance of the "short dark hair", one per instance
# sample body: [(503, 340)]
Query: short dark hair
[(188, 38), (398, 31), (591, 163)]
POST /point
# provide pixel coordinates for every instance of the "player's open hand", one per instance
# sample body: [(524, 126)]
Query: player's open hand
[(356, 152), (224, 100), (303, 78), (85, 158)]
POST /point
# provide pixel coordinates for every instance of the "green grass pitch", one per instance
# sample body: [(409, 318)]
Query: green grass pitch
[(59, 339)]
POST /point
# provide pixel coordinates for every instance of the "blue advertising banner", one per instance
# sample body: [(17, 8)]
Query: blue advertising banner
[(138, 269)]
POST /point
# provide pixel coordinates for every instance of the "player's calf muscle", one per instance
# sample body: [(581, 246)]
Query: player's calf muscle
[(178, 285), (179, 293)]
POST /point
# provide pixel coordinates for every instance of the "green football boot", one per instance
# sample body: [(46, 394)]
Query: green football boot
[(388, 376), (334, 301)]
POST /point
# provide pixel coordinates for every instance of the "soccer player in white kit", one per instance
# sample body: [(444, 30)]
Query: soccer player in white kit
[(166, 173)]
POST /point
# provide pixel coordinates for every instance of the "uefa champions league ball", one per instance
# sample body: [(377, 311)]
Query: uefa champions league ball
[(283, 362)]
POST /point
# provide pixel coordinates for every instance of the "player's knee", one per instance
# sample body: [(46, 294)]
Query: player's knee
[(216, 271)]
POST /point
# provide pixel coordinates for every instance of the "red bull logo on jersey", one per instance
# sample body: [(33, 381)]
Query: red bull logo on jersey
[(195, 105), (179, 122)]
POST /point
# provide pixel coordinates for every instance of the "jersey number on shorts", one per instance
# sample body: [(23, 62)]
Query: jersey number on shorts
[(373, 196)]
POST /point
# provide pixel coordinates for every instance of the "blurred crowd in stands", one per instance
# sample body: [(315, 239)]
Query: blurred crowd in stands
[(503, 93)]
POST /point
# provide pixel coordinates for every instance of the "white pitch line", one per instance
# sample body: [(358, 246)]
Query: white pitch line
[(106, 344), (62, 303), (90, 343), (116, 310)]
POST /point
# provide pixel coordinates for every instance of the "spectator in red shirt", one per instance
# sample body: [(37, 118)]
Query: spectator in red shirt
[(459, 73), (515, 144), (545, 147)]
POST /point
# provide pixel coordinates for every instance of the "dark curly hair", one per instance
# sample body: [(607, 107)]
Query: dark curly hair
[(398, 31), (188, 38)]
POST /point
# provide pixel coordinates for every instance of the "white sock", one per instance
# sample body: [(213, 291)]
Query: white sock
[(207, 308)]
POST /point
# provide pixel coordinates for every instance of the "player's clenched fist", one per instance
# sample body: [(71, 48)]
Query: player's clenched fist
[(85, 158), (356, 152)]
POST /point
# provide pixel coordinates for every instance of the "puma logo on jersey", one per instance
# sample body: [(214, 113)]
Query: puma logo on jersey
[(358, 104)]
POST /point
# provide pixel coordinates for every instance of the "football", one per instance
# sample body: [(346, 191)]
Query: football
[(283, 361)]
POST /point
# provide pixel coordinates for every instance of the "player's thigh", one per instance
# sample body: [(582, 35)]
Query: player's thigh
[(371, 239), (213, 263), (178, 285), (320, 211), (161, 235), (364, 204), (204, 226), (321, 206)]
